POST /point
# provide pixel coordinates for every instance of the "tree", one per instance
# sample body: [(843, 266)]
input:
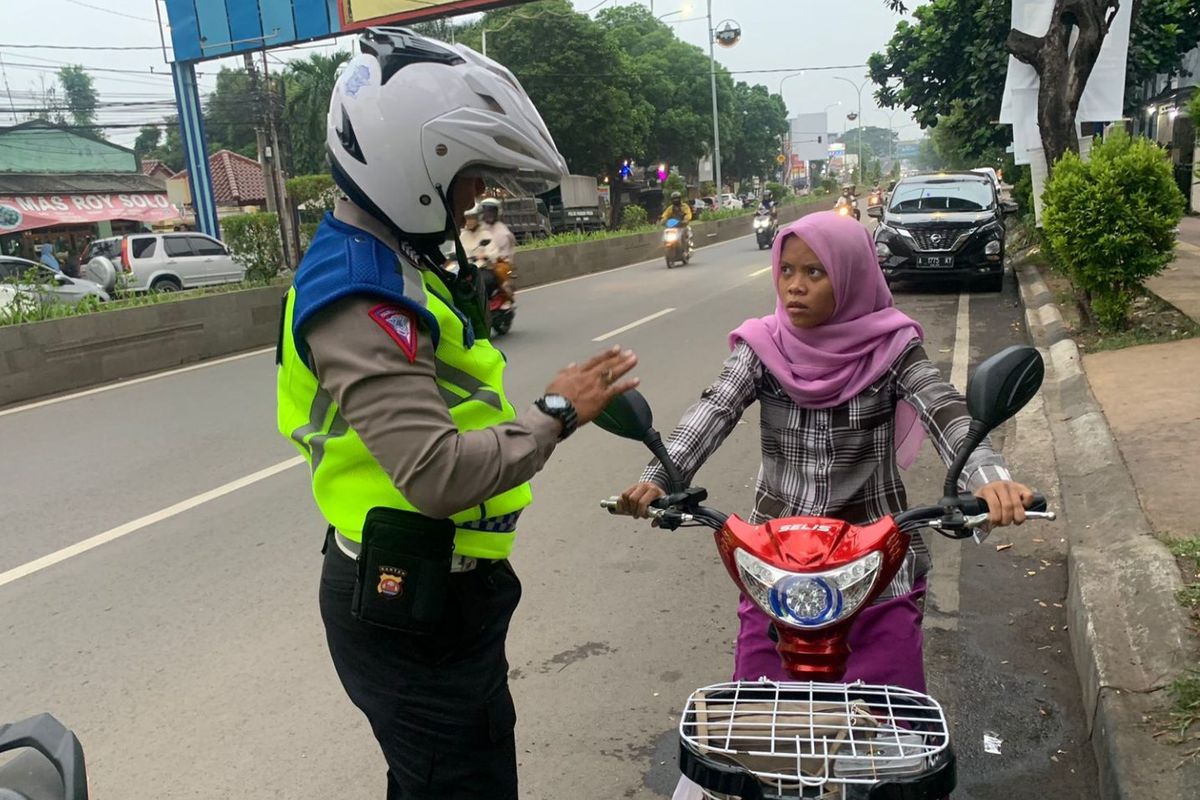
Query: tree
[(763, 124), (578, 78), (956, 50), (308, 85), (949, 60), (877, 142), (147, 140), (1163, 31), (673, 79), (229, 115), (80, 95)]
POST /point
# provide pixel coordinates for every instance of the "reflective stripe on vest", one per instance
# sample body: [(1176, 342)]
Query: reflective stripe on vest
[(347, 481)]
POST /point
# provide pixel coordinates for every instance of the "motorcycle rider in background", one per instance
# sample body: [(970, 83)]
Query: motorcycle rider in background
[(502, 245), (681, 211), (771, 205)]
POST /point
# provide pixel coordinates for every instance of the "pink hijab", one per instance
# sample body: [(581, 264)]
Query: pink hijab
[(826, 366)]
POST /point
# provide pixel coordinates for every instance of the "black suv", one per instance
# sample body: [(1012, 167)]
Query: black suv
[(945, 224)]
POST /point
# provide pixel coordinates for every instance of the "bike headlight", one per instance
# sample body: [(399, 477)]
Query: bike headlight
[(760, 223), (992, 248), (808, 600), (671, 236)]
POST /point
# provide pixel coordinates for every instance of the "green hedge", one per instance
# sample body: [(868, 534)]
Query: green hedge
[(1110, 222), (254, 240)]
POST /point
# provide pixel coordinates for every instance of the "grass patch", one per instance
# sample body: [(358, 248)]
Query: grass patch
[(1152, 321), (1185, 705), (1185, 691), (35, 311)]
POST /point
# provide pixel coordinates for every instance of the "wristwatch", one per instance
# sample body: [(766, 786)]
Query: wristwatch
[(559, 407)]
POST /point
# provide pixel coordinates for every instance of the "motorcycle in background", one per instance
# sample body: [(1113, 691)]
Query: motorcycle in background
[(49, 764), (765, 228), (814, 736), (677, 244)]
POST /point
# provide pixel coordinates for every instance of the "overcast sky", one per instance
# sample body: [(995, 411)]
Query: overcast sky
[(788, 35)]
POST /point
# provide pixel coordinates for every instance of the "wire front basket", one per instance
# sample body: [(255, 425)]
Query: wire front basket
[(826, 740)]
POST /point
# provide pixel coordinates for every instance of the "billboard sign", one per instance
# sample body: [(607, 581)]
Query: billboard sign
[(203, 29)]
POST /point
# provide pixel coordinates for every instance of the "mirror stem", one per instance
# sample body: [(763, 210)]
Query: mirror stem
[(654, 441), (975, 435)]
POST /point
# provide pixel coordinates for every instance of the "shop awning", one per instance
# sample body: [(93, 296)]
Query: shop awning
[(26, 212)]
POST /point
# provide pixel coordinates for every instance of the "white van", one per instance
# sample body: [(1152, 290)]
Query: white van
[(168, 262)]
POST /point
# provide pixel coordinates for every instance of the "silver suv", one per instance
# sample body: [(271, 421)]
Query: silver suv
[(168, 262)]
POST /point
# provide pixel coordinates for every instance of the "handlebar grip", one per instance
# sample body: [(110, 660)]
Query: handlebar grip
[(972, 505)]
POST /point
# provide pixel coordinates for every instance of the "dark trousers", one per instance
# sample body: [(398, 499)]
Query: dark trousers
[(438, 704)]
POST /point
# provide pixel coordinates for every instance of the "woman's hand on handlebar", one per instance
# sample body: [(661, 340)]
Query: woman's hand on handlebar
[(1006, 502), (635, 501)]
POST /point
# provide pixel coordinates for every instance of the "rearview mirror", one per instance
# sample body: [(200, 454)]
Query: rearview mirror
[(628, 415), (1000, 387), (62, 280), (1009, 208), (1003, 384), (875, 211)]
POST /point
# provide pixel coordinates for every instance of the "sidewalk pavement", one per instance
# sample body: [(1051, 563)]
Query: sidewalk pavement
[(1179, 284), (1124, 426), (1151, 397)]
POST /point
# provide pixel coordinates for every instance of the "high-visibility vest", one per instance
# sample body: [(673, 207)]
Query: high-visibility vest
[(347, 481)]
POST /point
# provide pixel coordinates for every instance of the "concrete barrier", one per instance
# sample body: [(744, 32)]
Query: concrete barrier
[(40, 359), (44, 358)]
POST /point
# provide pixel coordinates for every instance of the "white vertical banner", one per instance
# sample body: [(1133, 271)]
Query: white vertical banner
[(1103, 98), (1196, 179), (1039, 173), (1085, 148)]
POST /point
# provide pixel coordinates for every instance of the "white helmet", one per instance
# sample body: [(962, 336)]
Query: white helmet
[(411, 113)]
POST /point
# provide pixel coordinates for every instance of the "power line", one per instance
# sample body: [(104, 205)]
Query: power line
[(110, 11), (155, 48)]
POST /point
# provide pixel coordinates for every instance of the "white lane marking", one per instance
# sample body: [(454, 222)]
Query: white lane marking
[(145, 378), (657, 260), (962, 343), (633, 325), (58, 556), (947, 559), (760, 272)]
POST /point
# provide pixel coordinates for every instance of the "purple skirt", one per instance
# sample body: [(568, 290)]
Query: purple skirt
[(885, 644)]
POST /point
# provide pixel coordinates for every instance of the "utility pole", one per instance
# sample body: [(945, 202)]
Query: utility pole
[(712, 72), (287, 218), (260, 134)]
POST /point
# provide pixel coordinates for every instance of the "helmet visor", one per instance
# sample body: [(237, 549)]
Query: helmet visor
[(518, 183)]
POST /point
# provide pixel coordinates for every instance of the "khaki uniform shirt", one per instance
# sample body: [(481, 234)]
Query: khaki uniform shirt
[(395, 407)]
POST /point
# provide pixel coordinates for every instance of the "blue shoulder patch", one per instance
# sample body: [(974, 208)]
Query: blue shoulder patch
[(342, 261)]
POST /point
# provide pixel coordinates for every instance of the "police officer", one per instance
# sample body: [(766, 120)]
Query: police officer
[(388, 388)]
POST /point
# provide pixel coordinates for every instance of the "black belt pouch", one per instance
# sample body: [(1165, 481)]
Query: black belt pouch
[(403, 570)]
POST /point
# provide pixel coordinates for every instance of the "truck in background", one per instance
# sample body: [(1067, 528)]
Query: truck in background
[(526, 217), (575, 205)]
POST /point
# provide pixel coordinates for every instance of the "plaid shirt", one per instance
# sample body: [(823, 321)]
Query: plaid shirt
[(833, 462)]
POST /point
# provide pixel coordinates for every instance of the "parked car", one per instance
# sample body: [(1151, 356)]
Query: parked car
[(728, 200), (948, 224), (37, 280), (169, 262)]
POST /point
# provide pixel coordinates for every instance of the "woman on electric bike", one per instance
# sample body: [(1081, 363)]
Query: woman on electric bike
[(847, 394)]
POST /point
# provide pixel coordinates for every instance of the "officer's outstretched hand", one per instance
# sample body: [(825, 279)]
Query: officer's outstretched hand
[(591, 385)]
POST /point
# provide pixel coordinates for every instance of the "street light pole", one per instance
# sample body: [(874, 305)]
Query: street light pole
[(712, 72), (858, 89)]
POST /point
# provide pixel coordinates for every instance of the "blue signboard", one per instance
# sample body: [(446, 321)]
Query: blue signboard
[(202, 29)]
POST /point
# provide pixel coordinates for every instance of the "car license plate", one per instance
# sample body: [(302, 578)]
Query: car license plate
[(938, 262)]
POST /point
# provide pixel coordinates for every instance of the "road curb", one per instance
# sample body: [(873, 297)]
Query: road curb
[(1129, 636)]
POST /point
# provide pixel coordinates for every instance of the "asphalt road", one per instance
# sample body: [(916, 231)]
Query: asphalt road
[(172, 618)]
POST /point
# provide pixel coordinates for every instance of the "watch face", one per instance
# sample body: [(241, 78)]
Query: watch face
[(556, 402)]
